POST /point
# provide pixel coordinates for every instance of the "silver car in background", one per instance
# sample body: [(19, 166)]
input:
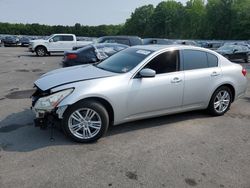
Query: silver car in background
[(136, 83)]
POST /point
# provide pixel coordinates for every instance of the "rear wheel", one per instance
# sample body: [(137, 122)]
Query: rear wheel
[(86, 121), (41, 51), (220, 101)]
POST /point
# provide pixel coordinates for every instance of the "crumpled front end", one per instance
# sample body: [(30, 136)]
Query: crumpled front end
[(44, 105)]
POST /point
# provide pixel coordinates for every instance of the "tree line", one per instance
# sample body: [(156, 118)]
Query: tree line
[(213, 19)]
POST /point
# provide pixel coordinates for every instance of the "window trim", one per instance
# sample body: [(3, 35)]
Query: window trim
[(67, 36), (216, 58), (206, 52), (60, 37), (135, 75)]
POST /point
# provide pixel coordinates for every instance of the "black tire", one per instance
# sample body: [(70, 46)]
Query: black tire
[(96, 107), (41, 51), (211, 107)]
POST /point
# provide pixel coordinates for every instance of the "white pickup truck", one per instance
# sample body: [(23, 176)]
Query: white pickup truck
[(55, 43)]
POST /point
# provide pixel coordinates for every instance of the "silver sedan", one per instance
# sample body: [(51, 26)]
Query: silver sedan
[(137, 83)]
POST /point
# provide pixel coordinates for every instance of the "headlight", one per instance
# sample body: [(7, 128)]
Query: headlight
[(51, 101)]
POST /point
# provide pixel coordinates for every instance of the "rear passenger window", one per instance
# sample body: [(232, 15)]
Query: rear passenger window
[(67, 38), (194, 59), (212, 60), (165, 62)]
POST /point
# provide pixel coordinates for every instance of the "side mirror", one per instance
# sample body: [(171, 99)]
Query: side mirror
[(235, 50), (147, 73), (51, 40)]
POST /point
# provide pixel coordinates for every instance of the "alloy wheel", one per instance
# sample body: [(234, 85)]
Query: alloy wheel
[(40, 52), (84, 123), (222, 101)]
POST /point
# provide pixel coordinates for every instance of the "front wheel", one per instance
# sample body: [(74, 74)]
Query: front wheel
[(86, 121), (41, 51), (220, 102)]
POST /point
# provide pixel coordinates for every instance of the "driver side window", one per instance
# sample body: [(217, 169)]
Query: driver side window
[(56, 38), (165, 63)]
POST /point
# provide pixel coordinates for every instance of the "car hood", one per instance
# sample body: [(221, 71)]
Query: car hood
[(63, 76), (38, 40)]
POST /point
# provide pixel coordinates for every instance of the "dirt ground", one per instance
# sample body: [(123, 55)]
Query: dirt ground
[(184, 150)]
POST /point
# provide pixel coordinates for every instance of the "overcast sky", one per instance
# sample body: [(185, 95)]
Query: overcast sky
[(69, 12)]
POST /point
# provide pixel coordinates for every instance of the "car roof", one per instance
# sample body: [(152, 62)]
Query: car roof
[(107, 44), (162, 47), (120, 36)]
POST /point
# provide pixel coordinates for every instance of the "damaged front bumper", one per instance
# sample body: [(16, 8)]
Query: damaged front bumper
[(45, 117)]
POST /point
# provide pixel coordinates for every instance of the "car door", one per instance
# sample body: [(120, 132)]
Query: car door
[(159, 94), (201, 71), (55, 44), (67, 42)]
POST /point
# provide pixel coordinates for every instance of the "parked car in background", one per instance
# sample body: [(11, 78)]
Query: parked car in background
[(242, 43), (137, 83), (91, 53), (10, 41), (126, 40), (187, 42), (212, 45), (147, 41), (54, 44), (24, 41), (235, 52)]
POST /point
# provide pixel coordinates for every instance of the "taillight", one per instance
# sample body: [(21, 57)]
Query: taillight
[(244, 71), (71, 56)]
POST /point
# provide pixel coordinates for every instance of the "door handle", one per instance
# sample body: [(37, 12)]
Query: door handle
[(176, 80), (215, 73)]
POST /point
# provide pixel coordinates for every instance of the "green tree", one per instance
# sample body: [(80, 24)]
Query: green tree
[(194, 22), (219, 19), (241, 19), (167, 20), (139, 20)]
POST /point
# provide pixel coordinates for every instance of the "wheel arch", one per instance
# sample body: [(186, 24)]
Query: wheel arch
[(40, 45), (230, 86), (106, 105)]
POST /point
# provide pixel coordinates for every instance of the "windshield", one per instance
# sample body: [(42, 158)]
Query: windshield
[(99, 40), (125, 60), (47, 37)]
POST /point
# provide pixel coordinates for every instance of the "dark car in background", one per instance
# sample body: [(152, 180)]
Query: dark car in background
[(187, 42), (91, 53), (24, 41), (10, 41), (235, 52), (212, 45), (148, 41), (126, 40)]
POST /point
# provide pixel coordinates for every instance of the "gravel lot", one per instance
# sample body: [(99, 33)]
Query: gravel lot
[(184, 150)]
